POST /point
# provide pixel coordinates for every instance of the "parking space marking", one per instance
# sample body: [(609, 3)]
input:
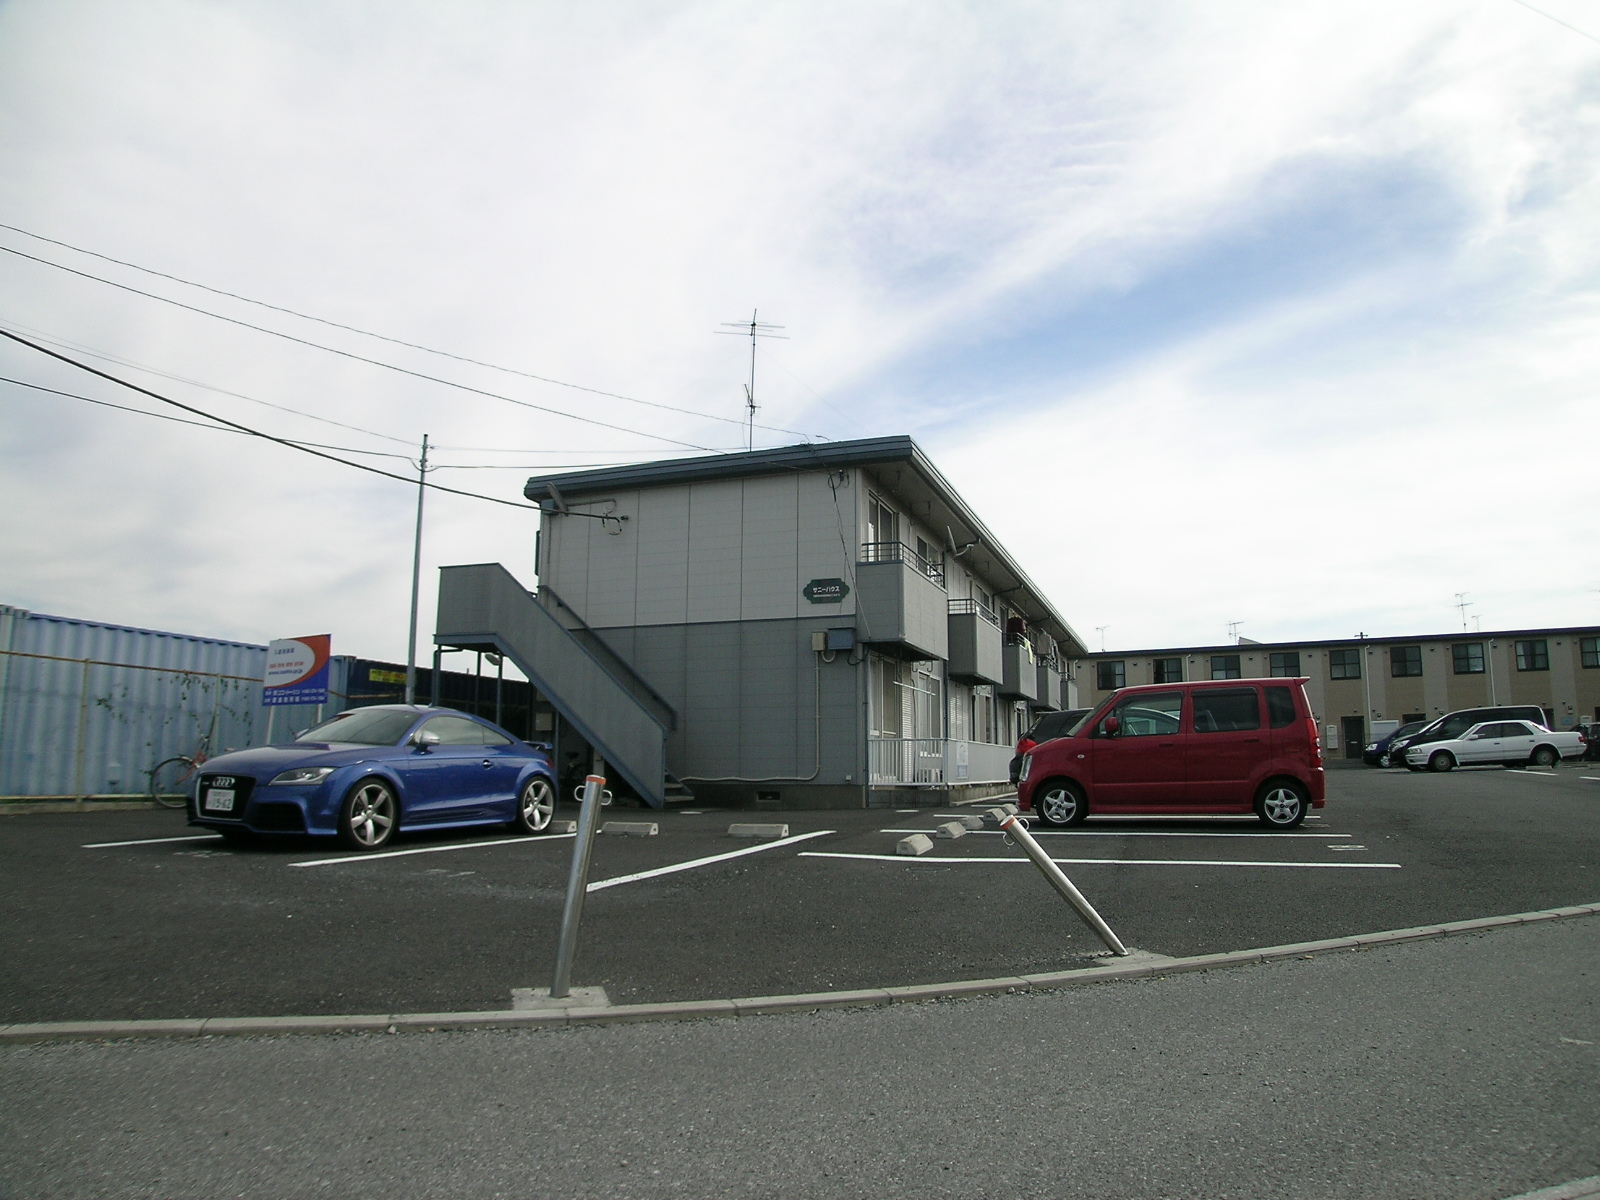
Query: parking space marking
[(361, 858), (1103, 862), (192, 837), (1593, 778), (1080, 833), (674, 868), (1527, 771)]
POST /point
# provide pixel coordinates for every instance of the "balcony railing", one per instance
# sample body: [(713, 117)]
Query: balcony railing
[(876, 552), (972, 606), (935, 762)]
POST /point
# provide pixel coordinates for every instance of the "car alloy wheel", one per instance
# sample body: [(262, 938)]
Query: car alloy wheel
[(1544, 756), (1282, 804), (369, 816), (1442, 760), (1059, 803), (536, 807)]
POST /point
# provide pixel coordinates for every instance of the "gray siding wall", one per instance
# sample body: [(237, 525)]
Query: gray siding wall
[(747, 695), (734, 550)]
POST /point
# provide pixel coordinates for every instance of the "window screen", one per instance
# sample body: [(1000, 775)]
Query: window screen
[(1533, 656), (1226, 710), (1225, 666), (1280, 707), (1344, 664)]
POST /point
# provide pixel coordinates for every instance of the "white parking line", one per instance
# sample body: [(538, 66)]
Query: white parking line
[(701, 862), (1592, 778), (361, 858), (1080, 833), (1530, 771), (193, 837), (1102, 862)]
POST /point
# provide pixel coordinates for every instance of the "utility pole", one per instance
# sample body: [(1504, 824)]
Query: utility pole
[(416, 580), (751, 329)]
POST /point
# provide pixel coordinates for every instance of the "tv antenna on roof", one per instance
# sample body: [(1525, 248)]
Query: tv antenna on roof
[(752, 329), (1462, 604)]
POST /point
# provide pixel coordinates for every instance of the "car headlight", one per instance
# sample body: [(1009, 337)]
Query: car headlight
[(1372, 746), (1027, 763), (304, 775)]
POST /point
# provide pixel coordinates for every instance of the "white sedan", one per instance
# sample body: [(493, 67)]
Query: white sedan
[(1510, 743)]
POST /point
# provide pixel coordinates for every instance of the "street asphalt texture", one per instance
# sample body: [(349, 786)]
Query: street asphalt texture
[(200, 929), (1463, 1068)]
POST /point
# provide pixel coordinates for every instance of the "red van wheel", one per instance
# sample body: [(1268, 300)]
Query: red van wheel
[(1282, 803), (1059, 803)]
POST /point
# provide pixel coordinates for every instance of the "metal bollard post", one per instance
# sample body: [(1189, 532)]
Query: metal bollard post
[(577, 886), (1058, 880)]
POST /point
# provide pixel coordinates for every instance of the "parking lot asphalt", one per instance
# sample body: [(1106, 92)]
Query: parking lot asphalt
[(103, 918), (1458, 1069)]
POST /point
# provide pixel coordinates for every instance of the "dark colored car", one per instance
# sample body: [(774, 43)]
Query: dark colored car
[(1453, 725), (367, 772), (1045, 727), (1377, 753), (1184, 749), (1590, 730)]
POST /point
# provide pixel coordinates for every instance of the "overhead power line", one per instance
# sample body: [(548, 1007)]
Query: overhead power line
[(394, 341), (145, 412), (289, 337), (65, 344), (304, 449)]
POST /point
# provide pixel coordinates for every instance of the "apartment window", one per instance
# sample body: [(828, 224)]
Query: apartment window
[(1533, 656), (1468, 658), (1168, 670), (1344, 664), (1589, 648), (883, 523), (1111, 675), (1225, 666), (1286, 665), (1405, 660)]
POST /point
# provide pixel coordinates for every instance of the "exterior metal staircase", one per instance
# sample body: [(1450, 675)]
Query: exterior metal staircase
[(483, 607)]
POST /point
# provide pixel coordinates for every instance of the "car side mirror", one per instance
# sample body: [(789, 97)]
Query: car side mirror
[(424, 739), (1112, 726)]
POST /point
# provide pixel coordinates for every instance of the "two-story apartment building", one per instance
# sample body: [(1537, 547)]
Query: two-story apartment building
[(817, 625), (1356, 681)]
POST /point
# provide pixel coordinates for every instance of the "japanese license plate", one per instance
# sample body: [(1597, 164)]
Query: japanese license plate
[(219, 800)]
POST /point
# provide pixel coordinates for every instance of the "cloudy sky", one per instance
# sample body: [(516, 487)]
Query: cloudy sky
[(1276, 313)]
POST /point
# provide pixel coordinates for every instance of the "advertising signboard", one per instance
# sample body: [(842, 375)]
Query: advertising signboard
[(297, 670)]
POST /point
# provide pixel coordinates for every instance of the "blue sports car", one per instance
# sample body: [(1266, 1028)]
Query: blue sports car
[(368, 771)]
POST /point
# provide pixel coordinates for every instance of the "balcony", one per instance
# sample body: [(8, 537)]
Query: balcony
[(1050, 686), (1021, 671), (935, 762), (975, 643), (900, 601)]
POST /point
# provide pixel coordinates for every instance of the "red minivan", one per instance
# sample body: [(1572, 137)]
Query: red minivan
[(1219, 747)]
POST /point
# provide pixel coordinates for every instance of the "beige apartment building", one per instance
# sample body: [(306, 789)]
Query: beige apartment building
[(1356, 681)]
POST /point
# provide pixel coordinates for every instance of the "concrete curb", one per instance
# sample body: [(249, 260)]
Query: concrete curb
[(80, 1031)]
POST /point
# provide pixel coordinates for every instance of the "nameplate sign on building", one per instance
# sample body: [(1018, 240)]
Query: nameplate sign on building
[(826, 591)]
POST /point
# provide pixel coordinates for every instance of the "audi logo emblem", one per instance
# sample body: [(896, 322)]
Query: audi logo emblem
[(222, 780)]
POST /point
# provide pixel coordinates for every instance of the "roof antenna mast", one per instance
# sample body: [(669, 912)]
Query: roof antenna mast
[(752, 329)]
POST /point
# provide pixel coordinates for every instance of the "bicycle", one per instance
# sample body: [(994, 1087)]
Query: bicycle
[(170, 778)]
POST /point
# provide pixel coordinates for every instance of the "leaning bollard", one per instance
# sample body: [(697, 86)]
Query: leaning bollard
[(577, 885), (1058, 880)]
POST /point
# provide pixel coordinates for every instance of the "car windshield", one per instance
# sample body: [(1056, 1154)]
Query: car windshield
[(363, 727)]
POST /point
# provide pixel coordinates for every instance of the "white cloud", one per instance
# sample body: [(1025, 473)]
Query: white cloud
[(586, 192)]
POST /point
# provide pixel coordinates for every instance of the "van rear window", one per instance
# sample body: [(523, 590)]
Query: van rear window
[(1226, 710), (1280, 707)]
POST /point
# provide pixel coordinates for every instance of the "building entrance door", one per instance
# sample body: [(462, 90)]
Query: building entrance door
[(1354, 732)]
